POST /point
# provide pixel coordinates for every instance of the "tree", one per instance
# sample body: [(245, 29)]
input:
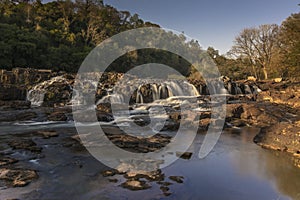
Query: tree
[(257, 45), (290, 44)]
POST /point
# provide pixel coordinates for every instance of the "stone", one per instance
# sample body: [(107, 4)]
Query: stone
[(7, 161), (17, 177), (135, 185), (48, 134), (109, 173), (25, 144), (57, 116), (184, 155), (177, 179)]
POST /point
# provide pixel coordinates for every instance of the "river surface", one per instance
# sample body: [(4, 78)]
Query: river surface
[(235, 169)]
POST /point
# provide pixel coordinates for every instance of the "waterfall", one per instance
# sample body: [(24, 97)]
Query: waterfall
[(36, 97), (139, 97), (37, 93), (112, 98), (155, 92)]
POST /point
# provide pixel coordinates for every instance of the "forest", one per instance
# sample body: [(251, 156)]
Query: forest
[(58, 35)]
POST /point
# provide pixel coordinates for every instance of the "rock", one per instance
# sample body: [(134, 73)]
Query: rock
[(48, 134), (282, 136), (184, 155), (109, 173), (104, 107), (277, 80), (7, 161), (204, 124), (177, 179), (150, 176), (17, 116), (104, 116), (135, 185), (11, 93), (164, 183), (15, 104), (113, 180), (58, 116), (17, 177), (25, 144)]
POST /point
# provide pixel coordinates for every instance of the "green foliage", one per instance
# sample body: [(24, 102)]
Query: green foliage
[(290, 45), (57, 35)]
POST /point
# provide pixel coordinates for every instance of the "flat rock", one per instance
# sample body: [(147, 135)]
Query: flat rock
[(135, 185), (17, 177)]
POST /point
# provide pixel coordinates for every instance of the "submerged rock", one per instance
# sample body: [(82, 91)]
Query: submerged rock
[(177, 179)]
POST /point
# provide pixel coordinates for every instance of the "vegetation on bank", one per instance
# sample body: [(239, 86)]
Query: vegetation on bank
[(58, 35)]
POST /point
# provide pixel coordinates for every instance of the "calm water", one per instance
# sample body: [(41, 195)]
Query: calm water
[(236, 169)]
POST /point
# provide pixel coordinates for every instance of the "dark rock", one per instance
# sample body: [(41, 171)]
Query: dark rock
[(15, 104), (177, 179), (11, 93), (58, 116), (7, 161), (25, 144), (109, 173), (184, 155)]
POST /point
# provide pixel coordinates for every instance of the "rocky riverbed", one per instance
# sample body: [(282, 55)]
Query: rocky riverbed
[(274, 110)]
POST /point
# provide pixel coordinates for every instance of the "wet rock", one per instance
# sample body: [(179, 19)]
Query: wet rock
[(89, 116), (7, 161), (135, 144), (11, 93), (109, 173), (164, 189), (15, 105), (104, 116), (25, 144), (164, 183), (135, 185), (7, 116), (48, 134), (184, 155), (238, 123), (177, 179), (57, 116), (17, 177), (104, 107), (150, 176), (113, 180), (204, 124)]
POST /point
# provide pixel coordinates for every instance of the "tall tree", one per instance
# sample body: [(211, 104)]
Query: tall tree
[(290, 44), (257, 45)]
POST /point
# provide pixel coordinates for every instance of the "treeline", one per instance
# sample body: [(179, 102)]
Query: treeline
[(265, 52), (57, 35)]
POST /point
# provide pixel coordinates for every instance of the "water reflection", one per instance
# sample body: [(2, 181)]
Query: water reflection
[(276, 167)]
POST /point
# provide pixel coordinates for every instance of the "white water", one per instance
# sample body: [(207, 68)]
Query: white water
[(37, 93)]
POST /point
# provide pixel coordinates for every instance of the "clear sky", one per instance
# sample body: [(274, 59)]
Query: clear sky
[(211, 22)]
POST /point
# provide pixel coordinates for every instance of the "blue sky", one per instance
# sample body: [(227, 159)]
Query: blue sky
[(211, 22)]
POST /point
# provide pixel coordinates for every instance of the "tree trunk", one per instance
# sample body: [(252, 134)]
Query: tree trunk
[(265, 73)]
